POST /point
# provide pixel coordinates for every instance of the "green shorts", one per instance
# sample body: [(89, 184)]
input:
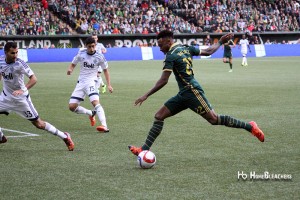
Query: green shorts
[(227, 55), (193, 99)]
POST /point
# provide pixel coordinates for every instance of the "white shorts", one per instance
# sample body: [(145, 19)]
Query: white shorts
[(84, 89), (22, 107), (244, 53)]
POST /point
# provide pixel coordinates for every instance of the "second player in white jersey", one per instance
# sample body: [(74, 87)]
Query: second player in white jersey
[(244, 46), (90, 60), (101, 49)]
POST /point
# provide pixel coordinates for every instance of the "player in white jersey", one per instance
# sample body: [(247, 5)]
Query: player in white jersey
[(101, 49), (243, 45), (15, 96), (89, 60)]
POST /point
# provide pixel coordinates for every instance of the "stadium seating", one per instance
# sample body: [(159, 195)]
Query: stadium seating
[(50, 17)]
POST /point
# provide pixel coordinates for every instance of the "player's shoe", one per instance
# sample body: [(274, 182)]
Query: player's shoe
[(102, 129), (2, 137), (230, 70), (257, 132), (135, 150), (69, 142), (245, 64), (103, 88), (93, 118), (242, 65)]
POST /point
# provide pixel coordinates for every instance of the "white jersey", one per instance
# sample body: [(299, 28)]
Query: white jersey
[(89, 64), (244, 44), (13, 77), (100, 47)]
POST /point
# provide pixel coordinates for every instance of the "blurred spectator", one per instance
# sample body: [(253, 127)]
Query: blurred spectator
[(268, 42), (208, 41)]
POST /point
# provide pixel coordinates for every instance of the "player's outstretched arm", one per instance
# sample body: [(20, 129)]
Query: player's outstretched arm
[(159, 84), (70, 69), (213, 48)]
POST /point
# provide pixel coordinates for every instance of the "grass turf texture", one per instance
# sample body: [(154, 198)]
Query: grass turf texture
[(194, 159)]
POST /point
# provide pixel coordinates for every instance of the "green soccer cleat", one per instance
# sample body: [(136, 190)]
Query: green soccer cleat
[(103, 89)]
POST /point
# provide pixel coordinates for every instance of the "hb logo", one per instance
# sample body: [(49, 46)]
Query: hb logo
[(242, 175)]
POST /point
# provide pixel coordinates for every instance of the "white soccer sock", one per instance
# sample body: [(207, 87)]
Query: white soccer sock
[(1, 134), (82, 110), (51, 129), (101, 115)]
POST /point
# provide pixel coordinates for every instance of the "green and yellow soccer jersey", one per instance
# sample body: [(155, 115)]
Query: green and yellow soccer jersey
[(227, 49), (179, 60)]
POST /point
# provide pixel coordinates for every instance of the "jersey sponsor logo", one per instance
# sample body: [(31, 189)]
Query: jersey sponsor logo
[(9, 76), (87, 65)]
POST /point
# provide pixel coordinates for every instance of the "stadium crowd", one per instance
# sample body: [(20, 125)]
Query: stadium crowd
[(52, 17)]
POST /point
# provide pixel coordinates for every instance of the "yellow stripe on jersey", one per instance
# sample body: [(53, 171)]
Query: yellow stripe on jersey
[(202, 101)]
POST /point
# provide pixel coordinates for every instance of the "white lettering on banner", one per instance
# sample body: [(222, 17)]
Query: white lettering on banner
[(64, 43), (138, 42), (21, 44)]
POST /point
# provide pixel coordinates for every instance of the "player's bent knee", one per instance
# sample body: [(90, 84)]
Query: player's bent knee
[(72, 107)]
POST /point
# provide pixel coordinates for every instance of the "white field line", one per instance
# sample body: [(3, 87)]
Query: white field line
[(15, 131)]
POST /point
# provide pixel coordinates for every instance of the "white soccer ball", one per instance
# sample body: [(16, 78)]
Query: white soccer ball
[(146, 159)]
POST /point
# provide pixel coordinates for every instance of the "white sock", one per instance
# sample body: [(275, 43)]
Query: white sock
[(51, 129), (101, 115), (82, 110), (1, 134), (244, 60)]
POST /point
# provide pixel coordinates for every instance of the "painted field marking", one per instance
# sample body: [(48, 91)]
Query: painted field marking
[(26, 134)]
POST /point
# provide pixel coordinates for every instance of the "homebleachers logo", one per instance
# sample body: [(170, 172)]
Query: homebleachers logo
[(253, 175)]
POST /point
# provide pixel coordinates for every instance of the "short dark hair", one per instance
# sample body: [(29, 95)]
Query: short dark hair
[(165, 34), (9, 45), (90, 40)]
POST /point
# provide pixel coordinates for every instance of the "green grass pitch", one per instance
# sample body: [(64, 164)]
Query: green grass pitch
[(194, 159)]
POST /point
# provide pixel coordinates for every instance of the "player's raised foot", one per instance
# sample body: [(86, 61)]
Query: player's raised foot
[(102, 129), (93, 118), (230, 70), (135, 150), (69, 142), (103, 88), (257, 132)]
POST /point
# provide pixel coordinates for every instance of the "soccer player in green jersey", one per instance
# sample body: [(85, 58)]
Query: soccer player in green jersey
[(227, 56), (191, 95)]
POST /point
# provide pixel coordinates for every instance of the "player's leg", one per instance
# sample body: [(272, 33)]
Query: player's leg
[(76, 98), (3, 110), (230, 64), (26, 109), (101, 115), (171, 107), (40, 124), (202, 107), (100, 84), (2, 137), (225, 60), (246, 63)]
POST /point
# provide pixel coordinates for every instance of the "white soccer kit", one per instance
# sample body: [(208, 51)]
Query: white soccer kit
[(13, 79), (87, 76), (99, 48), (244, 46)]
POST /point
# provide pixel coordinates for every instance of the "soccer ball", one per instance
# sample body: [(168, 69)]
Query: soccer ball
[(146, 159)]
